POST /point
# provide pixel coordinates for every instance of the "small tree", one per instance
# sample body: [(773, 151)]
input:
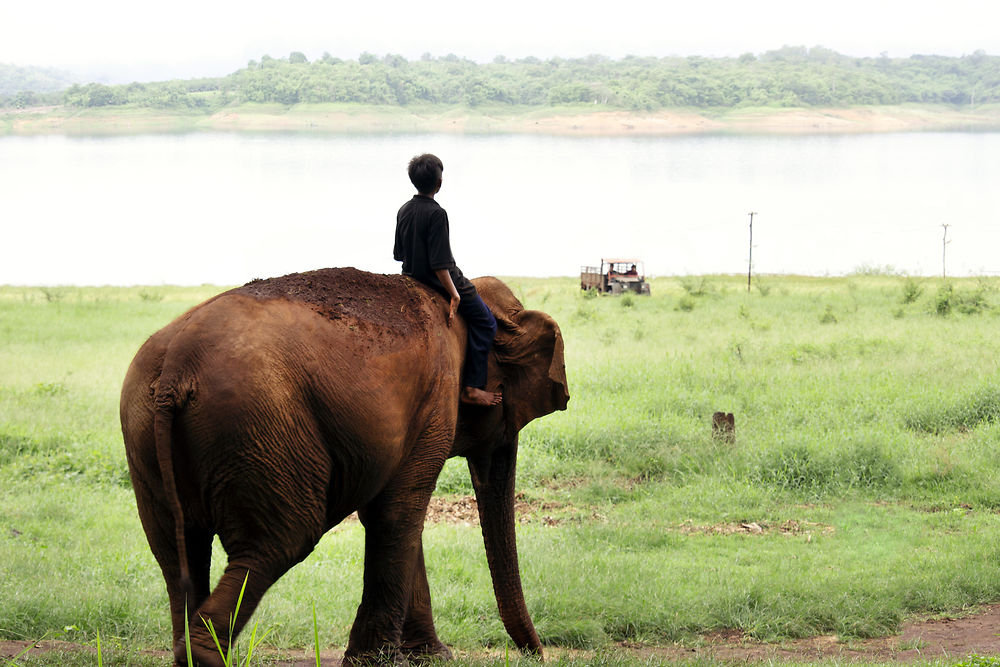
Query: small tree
[(24, 99)]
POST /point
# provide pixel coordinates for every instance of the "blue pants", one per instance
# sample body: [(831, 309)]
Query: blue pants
[(482, 328)]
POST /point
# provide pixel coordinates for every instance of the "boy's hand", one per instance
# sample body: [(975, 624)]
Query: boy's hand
[(445, 278)]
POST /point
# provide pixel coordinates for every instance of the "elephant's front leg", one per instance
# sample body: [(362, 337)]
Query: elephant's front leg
[(393, 524), (420, 640)]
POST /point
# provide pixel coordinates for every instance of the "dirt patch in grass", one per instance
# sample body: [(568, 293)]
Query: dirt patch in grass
[(950, 637), (463, 511), (790, 528)]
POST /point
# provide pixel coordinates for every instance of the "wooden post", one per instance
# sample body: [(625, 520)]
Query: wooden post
[(750, 259), (944, 248)]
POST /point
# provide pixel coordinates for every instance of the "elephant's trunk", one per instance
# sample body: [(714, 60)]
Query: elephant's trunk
[(493, 480)]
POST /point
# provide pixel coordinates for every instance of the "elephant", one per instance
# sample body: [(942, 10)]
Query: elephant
[(271, 412)]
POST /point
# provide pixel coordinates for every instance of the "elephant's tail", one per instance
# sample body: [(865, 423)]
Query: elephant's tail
[(166, 405)]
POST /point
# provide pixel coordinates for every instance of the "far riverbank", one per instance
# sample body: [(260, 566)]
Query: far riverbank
[(570, 121)]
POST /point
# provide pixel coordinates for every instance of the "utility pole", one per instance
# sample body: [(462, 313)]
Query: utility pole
[(944, 248), (750, 260)]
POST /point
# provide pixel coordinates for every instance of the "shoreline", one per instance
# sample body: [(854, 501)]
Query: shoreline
[(577, 121)]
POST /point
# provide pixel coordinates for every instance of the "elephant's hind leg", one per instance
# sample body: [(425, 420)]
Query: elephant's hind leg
[(248, 575), (158, 524), (262, 543), (199, 555), (217, 611)]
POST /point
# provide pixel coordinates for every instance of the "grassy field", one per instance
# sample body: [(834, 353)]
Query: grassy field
[(863, 487)]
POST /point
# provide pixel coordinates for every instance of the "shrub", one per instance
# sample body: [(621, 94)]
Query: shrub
[(697, 285), (911, 291), (53, 294), (972, 303), (943, 299), (151, 295)]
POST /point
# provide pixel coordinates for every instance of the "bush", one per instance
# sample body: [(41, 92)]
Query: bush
[(911, 291), (697, 285), (972, 303), (943, 300)]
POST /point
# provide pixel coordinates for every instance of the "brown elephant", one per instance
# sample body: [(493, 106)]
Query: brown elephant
[(271, 412)]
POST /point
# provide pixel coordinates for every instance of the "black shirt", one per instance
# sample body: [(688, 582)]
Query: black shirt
[(423, 245)]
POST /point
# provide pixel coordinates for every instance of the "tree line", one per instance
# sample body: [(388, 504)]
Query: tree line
[(792, 76), (27, 81)]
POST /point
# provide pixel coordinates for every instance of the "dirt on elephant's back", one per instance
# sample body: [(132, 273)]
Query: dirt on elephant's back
[(393, 304)]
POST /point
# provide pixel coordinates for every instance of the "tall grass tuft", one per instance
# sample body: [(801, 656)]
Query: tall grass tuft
[(231, 654), (976, 408), (807, 470)]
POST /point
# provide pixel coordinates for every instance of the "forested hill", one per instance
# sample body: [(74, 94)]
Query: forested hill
[(14, 80), (791, 76)]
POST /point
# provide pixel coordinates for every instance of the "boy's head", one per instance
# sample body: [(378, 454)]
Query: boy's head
[(425, 173)]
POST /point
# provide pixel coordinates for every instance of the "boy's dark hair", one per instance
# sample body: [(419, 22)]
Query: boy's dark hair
[(425, 172)]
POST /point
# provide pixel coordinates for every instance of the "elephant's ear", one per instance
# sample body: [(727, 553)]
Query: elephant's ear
[(529, 351)]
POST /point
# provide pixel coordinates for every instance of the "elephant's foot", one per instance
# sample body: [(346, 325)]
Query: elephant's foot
[(427, 652), (203, 656), (387, 655)]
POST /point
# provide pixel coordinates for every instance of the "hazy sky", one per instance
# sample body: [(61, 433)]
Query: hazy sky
[(129, 40)]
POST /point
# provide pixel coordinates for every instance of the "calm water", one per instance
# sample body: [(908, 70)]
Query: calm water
[(225, 208)]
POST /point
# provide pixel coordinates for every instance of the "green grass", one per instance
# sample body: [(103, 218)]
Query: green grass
[(866, 419)]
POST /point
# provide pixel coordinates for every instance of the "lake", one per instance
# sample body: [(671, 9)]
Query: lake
[(225, 208)]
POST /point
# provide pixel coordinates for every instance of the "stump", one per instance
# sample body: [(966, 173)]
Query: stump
[(724, 427)]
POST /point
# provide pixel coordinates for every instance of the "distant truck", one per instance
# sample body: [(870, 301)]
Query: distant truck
[(615, 276)]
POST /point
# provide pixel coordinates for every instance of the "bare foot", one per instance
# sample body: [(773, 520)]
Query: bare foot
[(475, 396)]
